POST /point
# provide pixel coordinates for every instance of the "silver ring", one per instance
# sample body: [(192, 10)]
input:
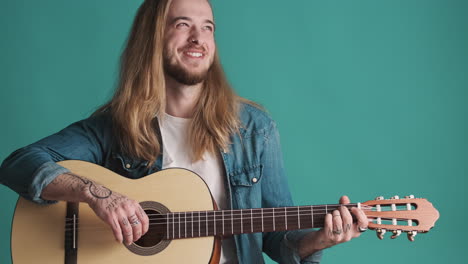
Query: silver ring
[(362, 229), (134, 223)]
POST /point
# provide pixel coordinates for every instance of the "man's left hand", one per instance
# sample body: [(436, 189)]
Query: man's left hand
[(338, 228)]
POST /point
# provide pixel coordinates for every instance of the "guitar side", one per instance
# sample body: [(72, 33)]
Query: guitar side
[(38, 231)]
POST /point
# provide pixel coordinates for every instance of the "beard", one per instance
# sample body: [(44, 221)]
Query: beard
[(183, 75)]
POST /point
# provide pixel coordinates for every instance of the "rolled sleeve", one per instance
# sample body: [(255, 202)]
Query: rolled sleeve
[(28, 170), (44, 175), (289, 249)]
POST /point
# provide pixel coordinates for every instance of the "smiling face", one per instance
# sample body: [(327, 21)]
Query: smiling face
[(189, 41)]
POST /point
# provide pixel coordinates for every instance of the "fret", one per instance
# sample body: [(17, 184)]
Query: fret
[(257, 220), (185, 224), (286, 218), (298, 218), (173, 227), (251, 220), (242, 224), (178, 226), (236, 215), (214, 221), (274, 227), (192, 223), (262, 220), (217, 223), (312, 216), (304, 218), (167, 225), (206, 219), (223, 222), (292, 218), (232, 223), (199, 224), (268, 220)]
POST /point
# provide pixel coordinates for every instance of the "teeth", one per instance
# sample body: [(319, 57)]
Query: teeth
[(195, 54)]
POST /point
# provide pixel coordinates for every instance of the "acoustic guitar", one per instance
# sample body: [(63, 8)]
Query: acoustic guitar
[(185, 226)]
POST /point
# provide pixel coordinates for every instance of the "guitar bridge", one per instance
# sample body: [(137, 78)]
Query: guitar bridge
[(71, 233)]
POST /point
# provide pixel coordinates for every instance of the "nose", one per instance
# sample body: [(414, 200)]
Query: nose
[(193, 40), (194, 37)]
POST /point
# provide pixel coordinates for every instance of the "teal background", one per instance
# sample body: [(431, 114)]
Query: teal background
[(369, 96)]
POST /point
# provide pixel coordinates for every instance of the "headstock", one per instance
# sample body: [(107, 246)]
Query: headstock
[(411, 215)]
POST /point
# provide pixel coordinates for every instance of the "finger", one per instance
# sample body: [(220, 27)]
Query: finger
[(136, 226), (347, 219), (116, 230), (362, 221), (127, 230), (328, 226), (337, 225), (143, 219), (344, 200)]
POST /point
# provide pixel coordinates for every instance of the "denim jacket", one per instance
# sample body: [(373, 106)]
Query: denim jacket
[(253, 163)]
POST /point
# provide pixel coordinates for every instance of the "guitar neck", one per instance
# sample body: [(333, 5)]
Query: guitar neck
[(232, 222)]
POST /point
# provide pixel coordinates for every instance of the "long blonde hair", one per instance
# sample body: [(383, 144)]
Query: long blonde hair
[(141, 96)]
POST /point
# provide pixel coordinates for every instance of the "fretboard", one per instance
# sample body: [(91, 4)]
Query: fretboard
[(231, 222)]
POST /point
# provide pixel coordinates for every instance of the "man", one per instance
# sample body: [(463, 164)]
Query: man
[(174, 108)]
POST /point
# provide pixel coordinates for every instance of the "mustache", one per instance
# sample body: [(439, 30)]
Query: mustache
[(194, 47)]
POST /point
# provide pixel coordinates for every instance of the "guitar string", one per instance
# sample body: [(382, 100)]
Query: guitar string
[(161, 233), (179, 220), (244, 214), (200, 224), (210, 232), (210, 222), (256, 211)]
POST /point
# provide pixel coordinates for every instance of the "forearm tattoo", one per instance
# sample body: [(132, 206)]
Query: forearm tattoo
[(76, 183), (115, 201)]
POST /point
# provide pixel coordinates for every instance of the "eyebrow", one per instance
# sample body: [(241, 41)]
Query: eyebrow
[(189, 19)]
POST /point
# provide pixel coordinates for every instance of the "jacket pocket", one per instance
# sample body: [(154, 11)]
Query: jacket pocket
[(128, 167), (247, 176)]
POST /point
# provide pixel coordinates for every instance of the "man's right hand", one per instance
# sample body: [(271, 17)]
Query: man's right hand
[(125, 216)]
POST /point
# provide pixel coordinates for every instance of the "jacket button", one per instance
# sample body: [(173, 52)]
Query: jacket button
[(128, 166), (254, 180)]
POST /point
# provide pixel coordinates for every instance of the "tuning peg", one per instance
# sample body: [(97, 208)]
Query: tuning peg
[(381, 233), (411, 235), (396, 233), (379, 198), (395, 197), (409, 197)]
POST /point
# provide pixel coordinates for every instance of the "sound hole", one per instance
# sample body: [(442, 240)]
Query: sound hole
[(156, 232), (153, 241)]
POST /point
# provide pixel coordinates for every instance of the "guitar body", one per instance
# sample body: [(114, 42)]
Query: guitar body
[(38, 231)]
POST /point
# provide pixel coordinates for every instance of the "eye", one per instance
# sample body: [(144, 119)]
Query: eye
[(208, 28), (182, 24)]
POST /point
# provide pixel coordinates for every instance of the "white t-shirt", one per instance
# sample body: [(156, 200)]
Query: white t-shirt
[(210, 168)]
